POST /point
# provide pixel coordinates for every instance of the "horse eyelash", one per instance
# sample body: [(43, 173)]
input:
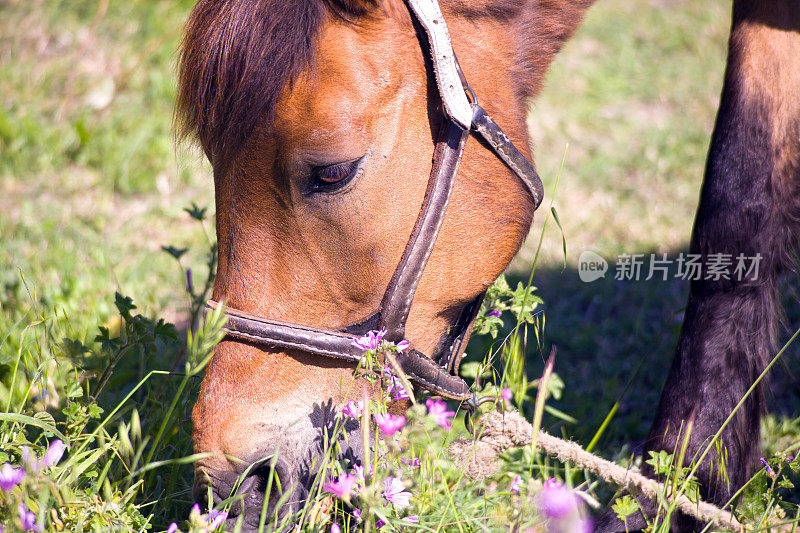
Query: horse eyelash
[(329, 177)]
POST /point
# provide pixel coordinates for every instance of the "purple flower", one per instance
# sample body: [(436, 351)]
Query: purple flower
[(395, 493), (216, 518), (395, 387), (403, 345), (53, 454), (507, 396), (370, 341), (389, 424), (27, 518), (438, 410), (413, 461), (335, 528), (379, 523), (357, 514), (360, 473), (173, 528), (494, 313), (562, 507), (516, 484), (10, 477), (770, 472), (353, 409), (30, 460), (414, 519), (556, 500), (343, 487)]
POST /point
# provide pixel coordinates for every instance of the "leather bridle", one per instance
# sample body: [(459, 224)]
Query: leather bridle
[(436, 373)]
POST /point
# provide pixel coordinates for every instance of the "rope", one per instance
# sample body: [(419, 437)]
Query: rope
[(510, 429)]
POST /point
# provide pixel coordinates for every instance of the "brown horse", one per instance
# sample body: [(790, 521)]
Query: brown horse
[(319, 118)]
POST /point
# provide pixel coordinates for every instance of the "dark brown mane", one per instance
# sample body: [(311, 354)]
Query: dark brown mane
[(236, 58)]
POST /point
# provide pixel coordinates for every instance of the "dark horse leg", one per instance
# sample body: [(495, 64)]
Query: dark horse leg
[(749, 207)]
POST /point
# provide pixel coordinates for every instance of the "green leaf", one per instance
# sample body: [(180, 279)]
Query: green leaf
[(31, 421), (195, 212), (95, 411), (73, 347), (74, 390), (661, 462), (124, 304), (563, 238), (625, 506), (48, 421)]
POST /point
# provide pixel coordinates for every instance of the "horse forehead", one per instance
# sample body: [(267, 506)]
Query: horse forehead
[(358, 71)]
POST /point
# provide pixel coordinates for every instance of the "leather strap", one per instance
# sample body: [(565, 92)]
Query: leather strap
[(419, 368), (501, 145), (399, 294)]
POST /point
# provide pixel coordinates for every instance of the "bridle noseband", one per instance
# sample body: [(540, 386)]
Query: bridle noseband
[(437, 373)]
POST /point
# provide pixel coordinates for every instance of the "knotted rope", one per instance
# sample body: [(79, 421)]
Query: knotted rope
[(508, 429)]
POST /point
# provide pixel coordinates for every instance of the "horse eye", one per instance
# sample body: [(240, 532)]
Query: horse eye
[(329, 178)]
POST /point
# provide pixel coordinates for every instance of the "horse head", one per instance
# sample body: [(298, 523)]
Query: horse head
[(320, 119)]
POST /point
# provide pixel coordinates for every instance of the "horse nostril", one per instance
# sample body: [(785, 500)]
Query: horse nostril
[(264, 479), (244, 493)]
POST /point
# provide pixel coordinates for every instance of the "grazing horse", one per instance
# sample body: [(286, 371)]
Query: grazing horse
[(320, 118)]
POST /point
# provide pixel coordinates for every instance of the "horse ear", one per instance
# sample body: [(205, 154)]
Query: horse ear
[(542, 27)]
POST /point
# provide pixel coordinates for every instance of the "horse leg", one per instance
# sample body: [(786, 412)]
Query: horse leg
[(750, 212)]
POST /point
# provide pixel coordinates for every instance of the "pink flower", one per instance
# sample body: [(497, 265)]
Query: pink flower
[(395, 493), (216, 518), (357, 514), (27, 518), (353, 409), (173, 528), (403, 345), (438, 410), (516, 484), (335, 528), (10, 477), (53, 454), (343, 487), (389, 424), (414, 519), (370, 341), (507, 396)]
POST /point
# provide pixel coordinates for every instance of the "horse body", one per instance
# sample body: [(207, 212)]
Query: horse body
[(319, 119)]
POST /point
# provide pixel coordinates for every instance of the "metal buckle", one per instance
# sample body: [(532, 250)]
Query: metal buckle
[(472, 405)]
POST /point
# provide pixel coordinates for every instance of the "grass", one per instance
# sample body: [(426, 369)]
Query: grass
[(92, 187)]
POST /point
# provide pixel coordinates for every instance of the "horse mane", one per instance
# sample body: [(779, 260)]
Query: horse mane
[(237, 56)]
